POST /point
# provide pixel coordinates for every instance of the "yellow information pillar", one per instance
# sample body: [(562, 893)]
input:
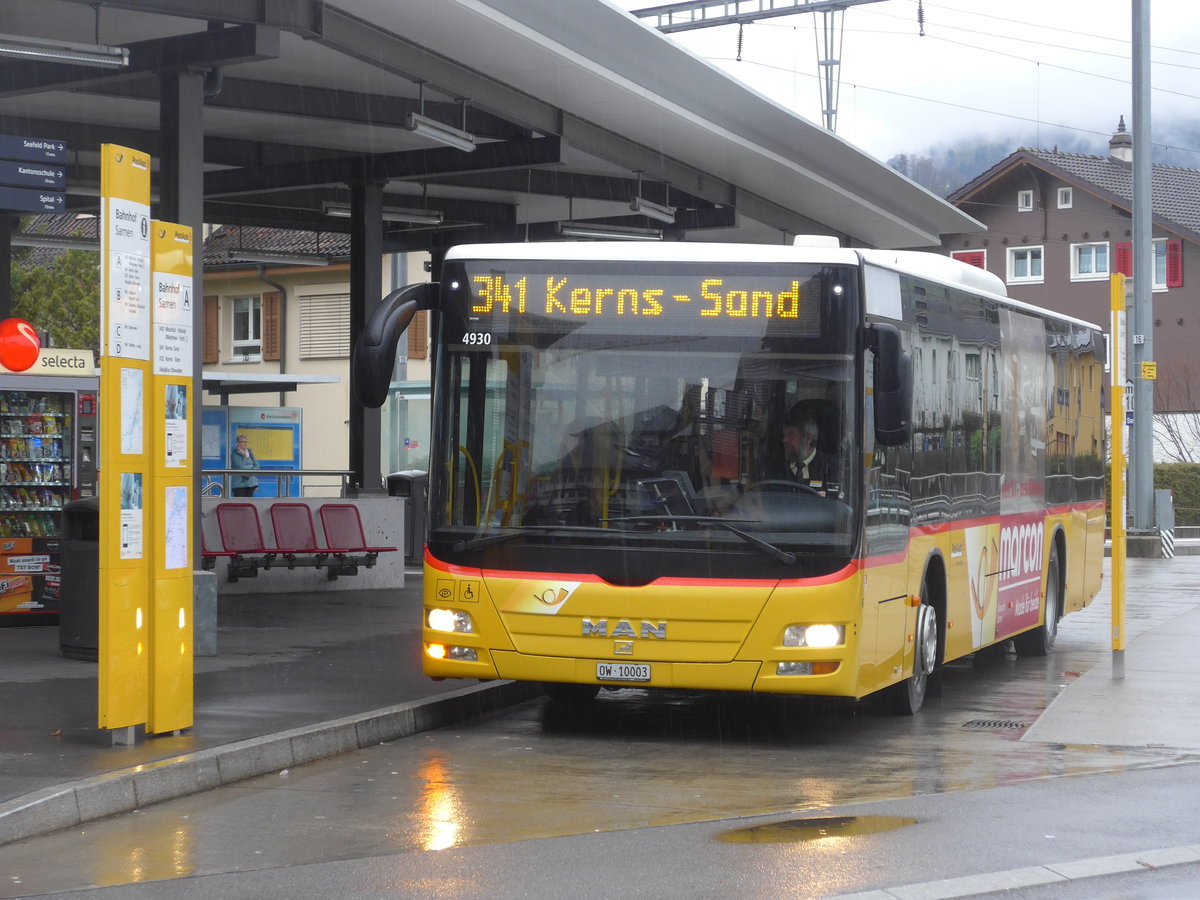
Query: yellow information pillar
[(169, 420), (124, 369)]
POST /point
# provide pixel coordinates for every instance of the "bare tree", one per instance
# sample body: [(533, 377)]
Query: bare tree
[(1177, 416)]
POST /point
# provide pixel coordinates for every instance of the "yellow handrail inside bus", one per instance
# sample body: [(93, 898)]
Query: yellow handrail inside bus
[(475, 480), (509, 506), (610, 488)]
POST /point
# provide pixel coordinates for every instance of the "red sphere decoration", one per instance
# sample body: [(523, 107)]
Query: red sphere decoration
[(19, 345)]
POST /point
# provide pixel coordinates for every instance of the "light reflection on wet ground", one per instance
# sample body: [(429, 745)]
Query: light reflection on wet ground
[(820, 828), (633, 759)]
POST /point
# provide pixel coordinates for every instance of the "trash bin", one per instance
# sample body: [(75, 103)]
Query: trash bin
[(79, 602), (412, 484)]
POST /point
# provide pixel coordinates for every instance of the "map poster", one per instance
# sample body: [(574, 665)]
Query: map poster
[(131, 411), (175, 512), (131, 515), (175, 431)]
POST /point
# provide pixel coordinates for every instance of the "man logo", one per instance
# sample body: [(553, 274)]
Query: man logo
[(623, 629)]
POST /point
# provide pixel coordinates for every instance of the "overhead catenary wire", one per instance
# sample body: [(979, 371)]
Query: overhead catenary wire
[(963, 106), (949, 32)]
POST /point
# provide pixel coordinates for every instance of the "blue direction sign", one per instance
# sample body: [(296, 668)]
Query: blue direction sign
[(25, 200), (32, 149), (46, 176)]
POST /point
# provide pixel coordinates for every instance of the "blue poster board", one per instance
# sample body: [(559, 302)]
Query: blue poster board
[(214, 451), (275, 435)]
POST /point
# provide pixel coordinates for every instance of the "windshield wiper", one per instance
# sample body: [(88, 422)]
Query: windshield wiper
[(784, 556), (506, 536)]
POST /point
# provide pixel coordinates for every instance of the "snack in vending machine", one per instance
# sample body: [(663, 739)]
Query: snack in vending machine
[(16, 593)]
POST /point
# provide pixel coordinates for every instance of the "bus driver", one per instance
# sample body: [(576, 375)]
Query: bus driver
[(804, 462)]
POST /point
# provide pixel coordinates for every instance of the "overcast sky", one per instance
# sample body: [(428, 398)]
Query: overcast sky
[(984, 68)]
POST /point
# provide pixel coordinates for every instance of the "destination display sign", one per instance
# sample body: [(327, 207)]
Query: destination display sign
[(28, 200), (35, 175), (29, 177), (32, 149), (688, 302)]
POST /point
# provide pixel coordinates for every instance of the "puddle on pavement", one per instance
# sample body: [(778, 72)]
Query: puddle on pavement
[(797, 830)]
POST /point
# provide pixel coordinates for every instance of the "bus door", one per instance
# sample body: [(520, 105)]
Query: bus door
[(888, 506)]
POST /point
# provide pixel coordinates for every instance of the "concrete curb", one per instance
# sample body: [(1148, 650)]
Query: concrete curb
[(67, 805), (1034, 876)]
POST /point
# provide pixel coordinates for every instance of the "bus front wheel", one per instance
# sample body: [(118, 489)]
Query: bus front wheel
[(1040, 641), (909, 695)]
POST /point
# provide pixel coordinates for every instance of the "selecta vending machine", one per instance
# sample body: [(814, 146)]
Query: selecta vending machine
[(48, 441)]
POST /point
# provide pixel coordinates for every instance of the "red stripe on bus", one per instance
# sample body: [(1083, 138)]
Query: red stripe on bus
[(451, 569), (891, 559)]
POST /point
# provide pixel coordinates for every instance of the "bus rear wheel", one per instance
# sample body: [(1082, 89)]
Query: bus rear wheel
[(1040, 641), (908, 696)]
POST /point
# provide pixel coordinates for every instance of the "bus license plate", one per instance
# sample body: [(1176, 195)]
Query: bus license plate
[(622, 672)]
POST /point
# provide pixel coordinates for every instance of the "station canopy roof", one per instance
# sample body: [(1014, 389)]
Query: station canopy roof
[(575, 107)]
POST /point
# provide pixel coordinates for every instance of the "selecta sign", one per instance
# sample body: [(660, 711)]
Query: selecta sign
[(58, 361)]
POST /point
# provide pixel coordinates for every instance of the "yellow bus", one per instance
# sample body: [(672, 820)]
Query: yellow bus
[(793, 469)]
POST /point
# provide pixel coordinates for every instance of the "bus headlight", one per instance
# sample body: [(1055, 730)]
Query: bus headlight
[(451, 620), (441, 651), (819, 636), (806, 668)]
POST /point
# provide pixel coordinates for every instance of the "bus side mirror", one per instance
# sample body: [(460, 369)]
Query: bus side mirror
[(893, 385), (374, 354)]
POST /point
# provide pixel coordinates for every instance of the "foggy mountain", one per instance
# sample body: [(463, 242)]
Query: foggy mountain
[(945, 168)]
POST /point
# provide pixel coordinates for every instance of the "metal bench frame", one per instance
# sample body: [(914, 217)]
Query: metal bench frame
[(345, 539)]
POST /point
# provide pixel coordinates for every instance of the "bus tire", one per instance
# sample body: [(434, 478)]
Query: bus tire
[(570, 694), (908, 696), (1040, 641)]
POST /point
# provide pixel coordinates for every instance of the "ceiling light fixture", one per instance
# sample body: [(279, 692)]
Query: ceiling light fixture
[(420, 124), (389, 213), (649, 208), (652, 210), (276, 258), (443, 134), (46, 50), (608, 232)]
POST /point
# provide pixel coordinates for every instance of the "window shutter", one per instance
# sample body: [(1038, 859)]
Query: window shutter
[(212, 330), (325, 326), (270, 325), (1124, 260), (418, 335), (976, 258), (1174, 263)]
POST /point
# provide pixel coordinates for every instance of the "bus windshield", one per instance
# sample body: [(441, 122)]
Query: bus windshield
[(665, 407)]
